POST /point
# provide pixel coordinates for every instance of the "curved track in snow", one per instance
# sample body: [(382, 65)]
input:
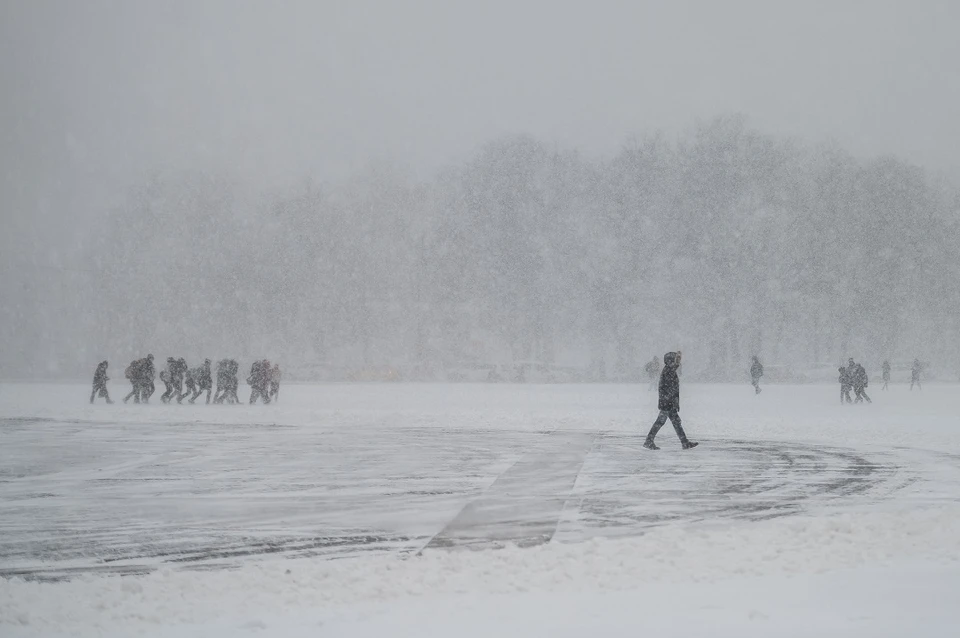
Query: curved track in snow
[(115, 498)]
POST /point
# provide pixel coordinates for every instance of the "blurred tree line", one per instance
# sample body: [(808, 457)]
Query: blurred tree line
[(724, 243)]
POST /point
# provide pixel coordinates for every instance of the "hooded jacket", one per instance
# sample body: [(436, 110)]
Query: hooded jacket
[(669, 384)]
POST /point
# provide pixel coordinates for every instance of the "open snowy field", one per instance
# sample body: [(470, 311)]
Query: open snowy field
[(479, 510)]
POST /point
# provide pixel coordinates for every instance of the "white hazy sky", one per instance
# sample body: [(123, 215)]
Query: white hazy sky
[(96, 92)]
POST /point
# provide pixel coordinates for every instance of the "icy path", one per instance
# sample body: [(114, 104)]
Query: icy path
[(411, 484), (151, 489)]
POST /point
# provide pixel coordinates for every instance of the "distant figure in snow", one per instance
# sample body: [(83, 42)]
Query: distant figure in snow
[(100, 379), (204, 380), (669, 403), (133, 373), (180, 369), (140, 373), (147, 374), (219, 395), (860, 382), (275, 382), (846, 384), (915, 374), (190, 383), (653, 371), (167, 376), (233, 380), (259, 381), (756, 371), (886, 374), (227, 383)]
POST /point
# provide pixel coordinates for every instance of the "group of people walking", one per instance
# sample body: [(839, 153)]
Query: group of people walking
[(183, 382), (854, 377)]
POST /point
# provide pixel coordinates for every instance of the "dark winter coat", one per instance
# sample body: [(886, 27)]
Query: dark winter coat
[(886, 371), (204, 378), (669, 384), (232, 370), (756, 370), (223, 372), (147, 372), (256, 378), (178, 370), (846, 376), (860, 378), (100, 376)]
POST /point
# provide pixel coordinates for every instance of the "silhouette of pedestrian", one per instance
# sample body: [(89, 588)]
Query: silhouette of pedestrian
[(669, 403)]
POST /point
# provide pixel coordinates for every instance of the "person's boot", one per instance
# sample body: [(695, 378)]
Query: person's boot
[(650, 445), (689, 444)]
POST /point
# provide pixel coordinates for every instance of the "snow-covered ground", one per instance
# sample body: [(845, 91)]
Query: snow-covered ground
[(480, 509)]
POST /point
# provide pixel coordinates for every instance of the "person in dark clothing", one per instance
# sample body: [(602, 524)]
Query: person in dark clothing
[(100, 379), (135, 375), (222, 365), (141, 373), (204, 381), (915, 374), (653, 371), (227, 383), (669, 403), (886, 374), (846, 382), (275, 382), (860, 382), (259, 373), (190, 382), (147, 374), (167, 376), (234, 380), (180, 369), (265, 380), (756, 371)]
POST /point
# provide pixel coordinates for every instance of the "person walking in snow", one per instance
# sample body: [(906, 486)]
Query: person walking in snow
[(233, 382), (669, 403), (915, 374), (133, 373), (167, 376), (846, 384), (756, 371), (190, 383), (222, 367), (886, 374), (275, 382), (147, 374), (141, 373), (204, 380), (227, 382), (653, 371), (860, 382), (100, 379), (180, 369), (259, 381)]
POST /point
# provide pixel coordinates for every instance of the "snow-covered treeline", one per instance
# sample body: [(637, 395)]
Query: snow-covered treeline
[(725, 243)]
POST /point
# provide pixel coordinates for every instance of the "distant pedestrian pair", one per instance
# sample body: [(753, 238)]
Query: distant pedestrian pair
[(854, 376)]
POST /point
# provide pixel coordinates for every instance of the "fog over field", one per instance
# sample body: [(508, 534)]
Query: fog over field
[(427, 187)]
